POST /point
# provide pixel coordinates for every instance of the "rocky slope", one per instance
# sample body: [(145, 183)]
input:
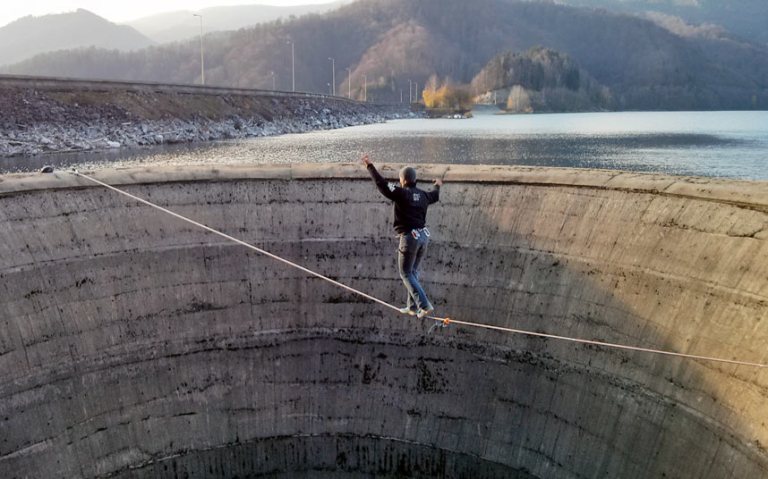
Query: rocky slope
[(37, 121)]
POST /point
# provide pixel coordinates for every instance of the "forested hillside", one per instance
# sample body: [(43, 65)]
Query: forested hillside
[(29, 36), (181, 25), (389, 42), (746, 19), (540, 80)]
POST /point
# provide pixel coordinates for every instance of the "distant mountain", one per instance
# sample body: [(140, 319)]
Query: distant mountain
[(30, 35), (540, 79), (181, 25), (746, 19), (389, 42)]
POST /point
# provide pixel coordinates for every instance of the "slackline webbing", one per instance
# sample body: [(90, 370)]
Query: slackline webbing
[(444, 321)]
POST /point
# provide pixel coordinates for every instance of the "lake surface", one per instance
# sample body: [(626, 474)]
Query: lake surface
[(717, 144)]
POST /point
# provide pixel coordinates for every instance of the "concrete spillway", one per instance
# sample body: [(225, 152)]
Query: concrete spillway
[(135, 345)]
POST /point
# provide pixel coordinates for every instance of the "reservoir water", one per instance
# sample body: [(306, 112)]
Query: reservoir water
[(714, 144)]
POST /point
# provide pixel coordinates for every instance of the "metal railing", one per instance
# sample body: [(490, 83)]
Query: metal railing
[(67, 84)]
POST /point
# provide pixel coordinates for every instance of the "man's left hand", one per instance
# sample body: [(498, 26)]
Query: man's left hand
[(366, 161)]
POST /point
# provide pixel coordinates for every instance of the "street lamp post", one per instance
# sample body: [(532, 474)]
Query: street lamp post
[(330, 92), (349, 82), (293, 66), (333, 75), (202, 58), (273, 80), (365, 88), (416, 93), (410, 92)]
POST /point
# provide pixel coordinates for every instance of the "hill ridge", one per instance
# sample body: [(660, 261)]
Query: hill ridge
[(389, 42), (33, 35)]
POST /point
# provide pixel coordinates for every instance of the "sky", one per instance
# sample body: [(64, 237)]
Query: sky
[(119, 11)]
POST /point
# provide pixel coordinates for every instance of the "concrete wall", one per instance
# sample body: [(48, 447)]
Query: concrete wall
[(134, 345)]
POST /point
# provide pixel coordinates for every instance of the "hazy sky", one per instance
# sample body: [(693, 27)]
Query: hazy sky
[(119, 11)]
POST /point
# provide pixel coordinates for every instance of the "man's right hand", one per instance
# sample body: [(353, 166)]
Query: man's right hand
[(438, 182), (365, 160)]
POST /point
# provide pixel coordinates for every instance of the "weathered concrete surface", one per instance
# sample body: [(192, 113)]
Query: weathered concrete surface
[(133, 345)]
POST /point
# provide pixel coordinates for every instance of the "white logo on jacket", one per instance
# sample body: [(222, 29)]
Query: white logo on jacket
[(416, 197)]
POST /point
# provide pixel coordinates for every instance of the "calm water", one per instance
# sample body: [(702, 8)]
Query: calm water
[(723, 144)]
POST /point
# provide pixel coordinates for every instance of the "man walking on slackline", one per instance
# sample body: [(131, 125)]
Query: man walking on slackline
[(411, 205)]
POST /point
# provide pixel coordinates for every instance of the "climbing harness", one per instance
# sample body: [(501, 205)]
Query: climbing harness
[(442, 322), (417, 232)]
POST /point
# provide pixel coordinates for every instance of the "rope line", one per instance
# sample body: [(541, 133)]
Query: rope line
[(444, 321), (599, 343), (238, 241)]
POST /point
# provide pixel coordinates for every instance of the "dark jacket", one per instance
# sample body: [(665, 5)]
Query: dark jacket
[(411, 203)]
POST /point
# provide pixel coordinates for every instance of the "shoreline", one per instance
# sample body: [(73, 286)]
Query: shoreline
[(68, 117)]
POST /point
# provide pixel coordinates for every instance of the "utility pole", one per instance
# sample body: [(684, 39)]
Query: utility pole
[(365, 88), (416, 99), (333, 75), (273, 80), (349, 82), (202, 58), (401, 95), (293, 66)]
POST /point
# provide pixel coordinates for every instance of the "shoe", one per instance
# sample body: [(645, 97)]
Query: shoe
[(421, 313), (408, 311)]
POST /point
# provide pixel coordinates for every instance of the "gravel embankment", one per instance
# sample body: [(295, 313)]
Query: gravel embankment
[(36, 121)]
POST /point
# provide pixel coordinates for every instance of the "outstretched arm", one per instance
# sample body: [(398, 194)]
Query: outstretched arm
[(381, 183), (434, 195)]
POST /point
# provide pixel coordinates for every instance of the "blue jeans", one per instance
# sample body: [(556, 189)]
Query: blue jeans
[(409, 255)]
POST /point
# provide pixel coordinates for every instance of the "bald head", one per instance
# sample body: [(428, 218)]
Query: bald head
[(408, 176)]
